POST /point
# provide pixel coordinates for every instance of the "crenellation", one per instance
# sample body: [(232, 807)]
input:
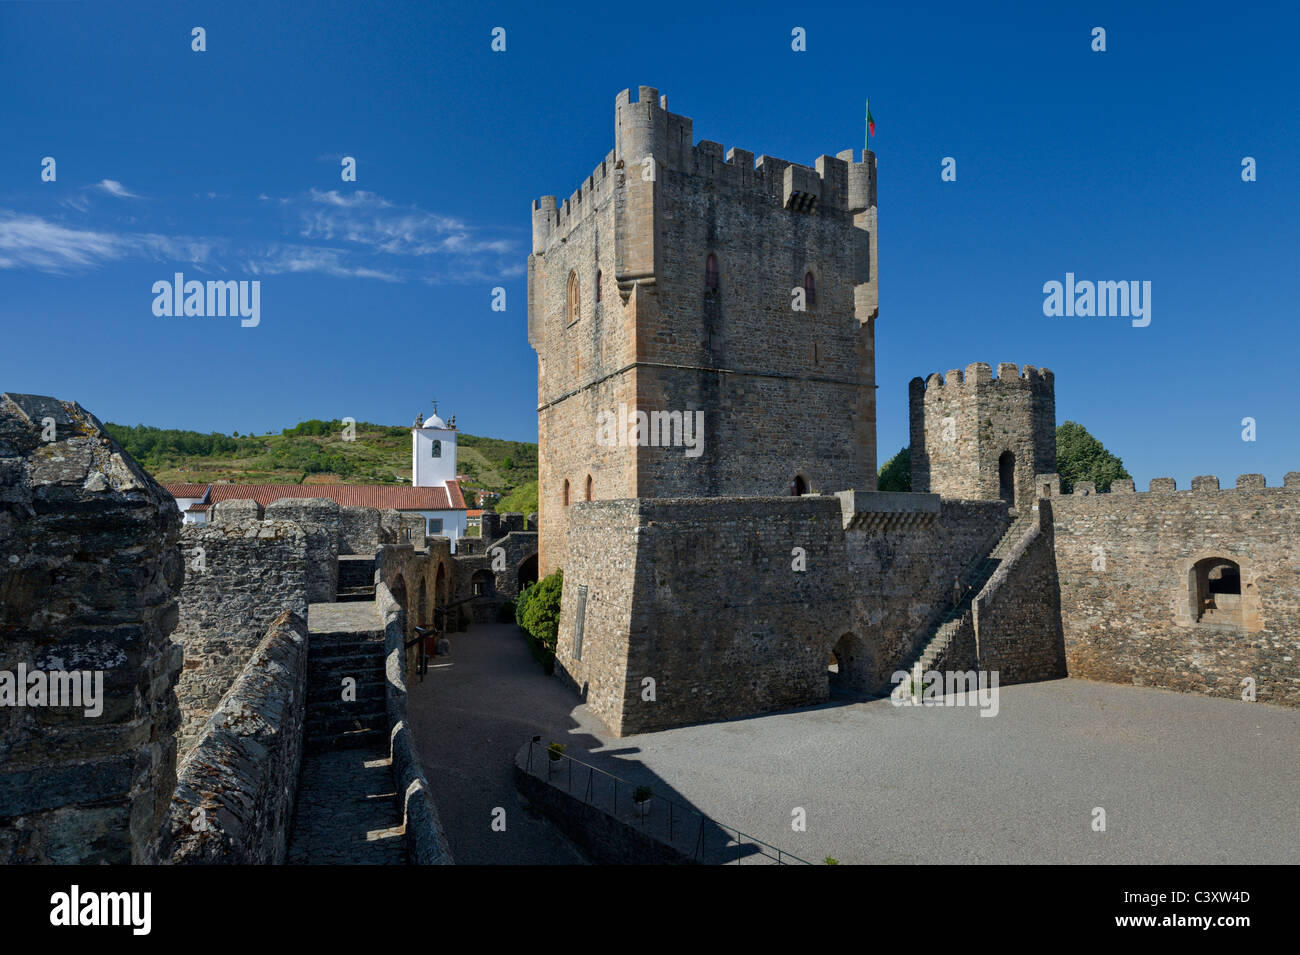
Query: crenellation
[(1162, 485), (1205, 482)]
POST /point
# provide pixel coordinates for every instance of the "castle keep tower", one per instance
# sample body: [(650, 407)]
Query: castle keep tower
[(732, 303), (977, 437)]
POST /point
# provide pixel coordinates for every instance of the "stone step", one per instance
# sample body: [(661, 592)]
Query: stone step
[(355, 595), (359, 666), (320, 693), (324, 646), (323, 720), (352, 739)]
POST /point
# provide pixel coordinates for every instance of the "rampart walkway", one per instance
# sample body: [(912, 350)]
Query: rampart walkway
[(347, 810)]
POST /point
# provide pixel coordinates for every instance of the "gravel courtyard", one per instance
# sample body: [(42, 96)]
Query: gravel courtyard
[(1182, 779)]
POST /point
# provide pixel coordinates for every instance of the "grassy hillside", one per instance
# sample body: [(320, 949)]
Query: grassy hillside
[(314, 452)]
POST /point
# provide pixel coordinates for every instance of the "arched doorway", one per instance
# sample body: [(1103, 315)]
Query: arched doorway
[(527, 573), (1216, 592), (798, 486), (1007, 477), (483, 583), (848, 668), (440, 595)]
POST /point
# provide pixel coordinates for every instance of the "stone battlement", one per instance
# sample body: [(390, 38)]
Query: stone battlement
[(981, 373), (1201, 483), (645, 130)]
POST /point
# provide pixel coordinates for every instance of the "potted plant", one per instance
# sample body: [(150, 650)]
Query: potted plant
[(641, 798), (555, 752)]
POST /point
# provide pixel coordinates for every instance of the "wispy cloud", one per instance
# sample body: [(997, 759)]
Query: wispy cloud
[(36, 243), (356, 235), (369, 220), (115, 188)]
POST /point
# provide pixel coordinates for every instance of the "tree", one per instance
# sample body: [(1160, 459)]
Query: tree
[(896, 475), (541, 614), (522, 499), (1081, 457)]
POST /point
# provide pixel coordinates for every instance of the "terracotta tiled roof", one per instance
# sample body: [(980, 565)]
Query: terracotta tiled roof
[(474, 513), (186, 490), (457, 499), (197, 508), (399, 497)]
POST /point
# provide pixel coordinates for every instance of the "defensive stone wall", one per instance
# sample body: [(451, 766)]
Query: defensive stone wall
[(1136, 604), (1017, 616), (235, 796), (89, 571), (359, 531), (426, 840), (240, 576), (704, 598), (903, 553), (320, 519)]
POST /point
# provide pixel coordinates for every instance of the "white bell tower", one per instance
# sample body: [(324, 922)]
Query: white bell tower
[(433, 451)]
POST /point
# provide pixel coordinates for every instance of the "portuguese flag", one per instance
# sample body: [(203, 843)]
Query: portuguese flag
[(871, 122)]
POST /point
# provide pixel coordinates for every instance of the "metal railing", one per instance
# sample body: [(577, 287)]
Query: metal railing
[(680, 826)]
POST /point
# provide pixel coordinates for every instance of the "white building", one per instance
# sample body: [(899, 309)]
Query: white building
[(433, 465), (434, 493)]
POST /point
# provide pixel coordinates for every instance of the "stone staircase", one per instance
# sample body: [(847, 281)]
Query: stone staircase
[(938, 643), (348, 811), (356, 578), (334, 722)]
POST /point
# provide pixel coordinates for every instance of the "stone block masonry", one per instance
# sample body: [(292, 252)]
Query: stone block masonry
[(235, 796), (89, 570), (1194, 590), (664, 283), (702, 597), (240, 576), (319, 517), (978, 437), (1018, 613)]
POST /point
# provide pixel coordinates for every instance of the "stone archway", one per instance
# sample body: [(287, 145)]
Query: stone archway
[(1218, 589), (848, 669), (1007, 477), (527, 572)]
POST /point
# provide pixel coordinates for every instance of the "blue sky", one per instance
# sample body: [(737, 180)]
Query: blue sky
[(1122, 165)]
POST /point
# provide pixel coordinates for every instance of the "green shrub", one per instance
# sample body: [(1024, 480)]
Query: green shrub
[(521, 605), (541, 614)]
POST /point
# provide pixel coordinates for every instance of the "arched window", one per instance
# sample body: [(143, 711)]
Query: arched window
[(566, 492), (1217, 592), (798, 486), (711, 273), (809, 289), (597, 285), (436, 448), (1007, 477), (572, 308), (484, 583), (588, 487)]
